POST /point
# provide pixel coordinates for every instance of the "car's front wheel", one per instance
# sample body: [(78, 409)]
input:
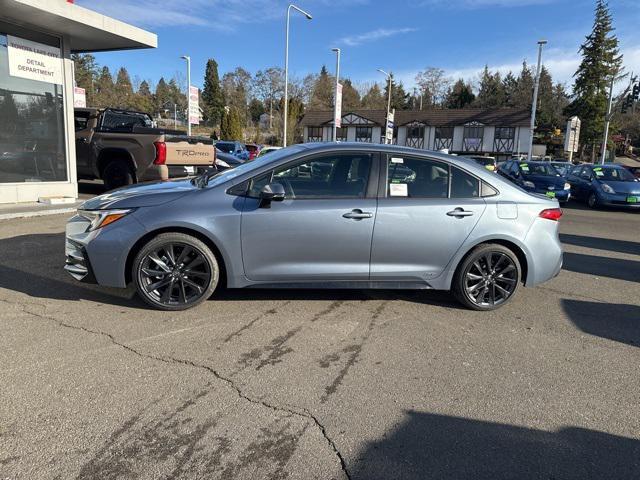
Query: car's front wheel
[(487, 278), (592, 201), (175, 271)]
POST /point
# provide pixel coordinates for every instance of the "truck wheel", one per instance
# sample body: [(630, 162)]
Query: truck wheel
[(175, 271), (117, 174)]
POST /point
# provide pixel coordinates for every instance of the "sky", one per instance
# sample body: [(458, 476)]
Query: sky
[(401, 36)]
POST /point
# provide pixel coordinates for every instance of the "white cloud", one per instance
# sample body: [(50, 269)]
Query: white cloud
[(373, 35), (221, 15)]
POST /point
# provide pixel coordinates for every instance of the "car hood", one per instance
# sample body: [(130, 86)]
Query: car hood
[(545, 180), (146, 195), (623, 187)]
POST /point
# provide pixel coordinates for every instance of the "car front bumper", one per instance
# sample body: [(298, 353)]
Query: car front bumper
[(619, 200)]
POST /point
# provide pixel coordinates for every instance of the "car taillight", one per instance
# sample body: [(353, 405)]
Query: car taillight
[(161, 153), (551, 214)]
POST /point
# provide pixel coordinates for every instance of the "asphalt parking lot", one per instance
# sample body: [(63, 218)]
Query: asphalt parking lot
[(326, 385)]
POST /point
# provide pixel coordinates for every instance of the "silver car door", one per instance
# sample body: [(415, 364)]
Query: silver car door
[(321, 231), (428, 211)]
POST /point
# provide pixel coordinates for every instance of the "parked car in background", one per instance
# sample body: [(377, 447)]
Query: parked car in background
[(634, 170), (122, 147), (230, 160), (268, 149), (605, 185), (450, 224), (253, 149), (237, 149), (487, 162), (562, 167), (537, 177)]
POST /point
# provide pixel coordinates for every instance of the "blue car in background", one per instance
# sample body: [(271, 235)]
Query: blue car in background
[(235, 148), (563, 168), (537, 177), (605, 185)]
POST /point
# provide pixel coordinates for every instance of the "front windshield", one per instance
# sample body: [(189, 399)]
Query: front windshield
[(538, 169), (235, 172), (613, 174), (562, 169)]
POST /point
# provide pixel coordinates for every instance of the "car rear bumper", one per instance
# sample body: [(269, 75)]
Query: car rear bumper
[(153, 173), (544, 256)]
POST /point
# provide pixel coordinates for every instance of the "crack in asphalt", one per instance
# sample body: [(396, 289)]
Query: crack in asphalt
[(238, 332), (300, 412)]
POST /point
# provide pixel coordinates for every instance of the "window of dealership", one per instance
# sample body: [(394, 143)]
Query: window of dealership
[(37, 142)]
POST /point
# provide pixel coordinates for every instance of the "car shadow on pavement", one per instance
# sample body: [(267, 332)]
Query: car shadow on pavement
[(426, 297), (620, 246), (33, 266), (426, 445), (613, 321), (620, 268)]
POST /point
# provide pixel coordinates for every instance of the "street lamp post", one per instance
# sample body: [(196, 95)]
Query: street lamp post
[(188, 59), (388, 75), (335, 103), (286, 69), (532, 125)]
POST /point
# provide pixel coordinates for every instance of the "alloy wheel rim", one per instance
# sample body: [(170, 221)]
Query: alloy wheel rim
[(491, 279), (175, 274)]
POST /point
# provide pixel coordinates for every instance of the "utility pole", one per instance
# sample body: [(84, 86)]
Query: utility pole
[(188, 59), (607, 119), (286, 69), (388, 75), (532, 125), (335, 103)]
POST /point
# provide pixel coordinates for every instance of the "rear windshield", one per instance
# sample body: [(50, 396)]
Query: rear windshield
[(485, 161), (613, 174), (226, 147), (124, 121), (538, 169)]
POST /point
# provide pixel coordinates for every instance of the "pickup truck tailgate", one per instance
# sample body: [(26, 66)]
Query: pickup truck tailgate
[(185, 153)]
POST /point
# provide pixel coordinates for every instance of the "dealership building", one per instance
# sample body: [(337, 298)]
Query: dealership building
[(37, 141), (499, 132)]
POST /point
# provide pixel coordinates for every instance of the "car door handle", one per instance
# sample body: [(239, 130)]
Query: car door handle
[(459, 212), (357, 214)]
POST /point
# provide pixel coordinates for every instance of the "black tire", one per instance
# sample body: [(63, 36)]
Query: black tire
[(117, 173), (592, 200), (496, 285), (182, 268)]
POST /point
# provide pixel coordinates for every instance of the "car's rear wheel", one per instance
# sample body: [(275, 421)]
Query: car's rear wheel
[(487, 278), (117, 174), (592, 201), (175, 271)]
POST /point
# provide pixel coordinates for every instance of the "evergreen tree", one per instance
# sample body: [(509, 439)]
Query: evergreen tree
[(212, 100), (231, 126), (144, 98), (460, 95), (162, 96), (523, 95), (601, 61), (104, 89), (491, 92), (86, 73), (510, 87), (123, 90), (256, 109), (350, 96), (544, 115), (323, 91), (373, 99), (399, 98)]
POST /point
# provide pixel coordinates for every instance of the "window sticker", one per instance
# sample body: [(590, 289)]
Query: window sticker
[(396, 160), (598, 172), (524, 167), (398, 190)]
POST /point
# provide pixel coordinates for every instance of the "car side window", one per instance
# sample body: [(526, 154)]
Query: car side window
[(464, 185), (258, 183), (417, 178), (575, 171), (328, 176), (585, 174)]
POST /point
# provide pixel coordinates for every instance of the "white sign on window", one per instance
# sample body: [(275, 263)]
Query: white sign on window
[(79, 98), (194, 109), (34, 61)]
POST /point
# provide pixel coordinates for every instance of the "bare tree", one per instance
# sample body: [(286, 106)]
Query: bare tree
[(267, 86), (434, 85)]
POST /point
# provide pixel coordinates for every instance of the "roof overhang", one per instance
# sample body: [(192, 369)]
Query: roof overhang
[(88, 31)]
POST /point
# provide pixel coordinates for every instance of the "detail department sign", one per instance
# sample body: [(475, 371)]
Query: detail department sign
[(34, 61)]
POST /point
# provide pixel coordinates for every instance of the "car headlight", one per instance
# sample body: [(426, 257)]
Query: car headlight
[(528, 184), (567, 186), (102, 218), (607, 188)]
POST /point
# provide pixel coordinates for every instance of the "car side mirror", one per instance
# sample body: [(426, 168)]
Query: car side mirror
[(272, 192)]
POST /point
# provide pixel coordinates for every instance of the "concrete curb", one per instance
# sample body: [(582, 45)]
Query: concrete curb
[(36, 213)]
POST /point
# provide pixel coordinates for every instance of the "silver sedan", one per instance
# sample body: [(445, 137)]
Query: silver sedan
[(321, 216)]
